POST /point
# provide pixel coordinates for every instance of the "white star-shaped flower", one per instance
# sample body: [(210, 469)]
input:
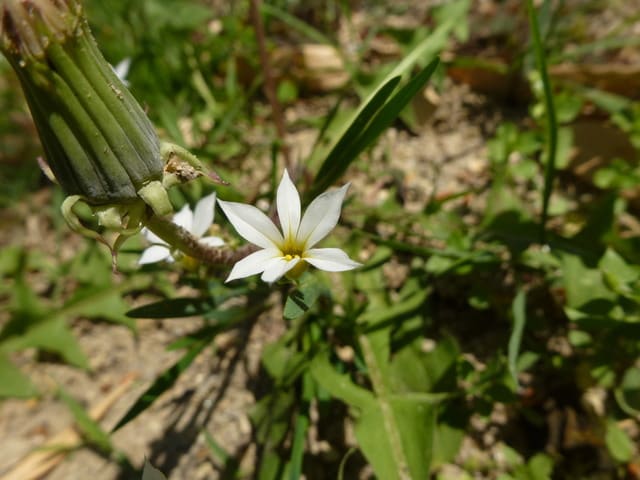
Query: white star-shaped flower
[(197, 223), (288, 252)]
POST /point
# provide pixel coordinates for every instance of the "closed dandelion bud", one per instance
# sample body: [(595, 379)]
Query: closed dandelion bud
[(98, 141)]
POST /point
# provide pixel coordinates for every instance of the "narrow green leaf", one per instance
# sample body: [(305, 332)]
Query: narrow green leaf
[(367, 127), (297, 449), (173, 308), (90, 429), (163, 383), (231, 465), (376, 318), (337, 157), (552, 127), (295, 23), (518, 310)]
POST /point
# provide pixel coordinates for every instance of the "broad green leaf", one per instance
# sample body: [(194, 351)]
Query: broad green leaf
[(628, 393), (52, 335), (283, 362), (540, 467), (10, 259), (450, 430), (416, 421), (90, 429), (13, 383), (618, 274), (151, 473), (339, 385), (398, 458), (299, 301), (413, 370), (620, 446), (583, 284)]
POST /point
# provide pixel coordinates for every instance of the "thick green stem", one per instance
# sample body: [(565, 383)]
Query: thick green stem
[(181, 239)]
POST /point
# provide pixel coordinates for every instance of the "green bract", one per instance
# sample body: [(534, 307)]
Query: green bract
[(98, 141)]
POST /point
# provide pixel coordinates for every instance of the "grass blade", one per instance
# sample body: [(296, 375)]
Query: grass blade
[(519, 322), (552, 127), (374, 118), (90, 429), (297, 449), (164, 382)]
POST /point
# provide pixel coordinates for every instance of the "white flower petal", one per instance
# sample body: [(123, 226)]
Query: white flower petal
[(321, 216), (211, 241), (122, 70), (330, 259), (184, 218), (253, 225), (203, 215), (278, 268), (155, 253), (254, 263), (152, 237), (288, 203)]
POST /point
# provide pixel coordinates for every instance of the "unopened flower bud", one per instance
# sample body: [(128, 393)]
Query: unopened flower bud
[(98, 141)]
